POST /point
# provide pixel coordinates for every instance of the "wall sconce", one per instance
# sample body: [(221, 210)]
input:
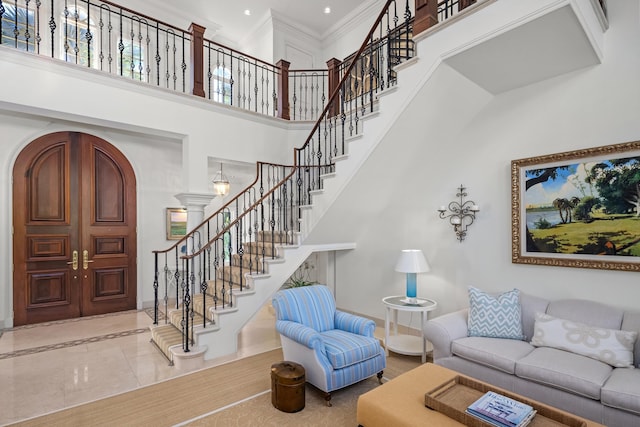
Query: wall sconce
[(220, 183), (460, 214)]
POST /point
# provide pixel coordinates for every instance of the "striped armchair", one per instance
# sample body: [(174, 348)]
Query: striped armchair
[(337, 349)]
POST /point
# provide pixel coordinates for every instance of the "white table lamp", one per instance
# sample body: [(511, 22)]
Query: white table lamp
[(412, 261)]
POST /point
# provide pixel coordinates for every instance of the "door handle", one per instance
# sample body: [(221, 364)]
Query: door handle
[(85, 259), (74, 260)]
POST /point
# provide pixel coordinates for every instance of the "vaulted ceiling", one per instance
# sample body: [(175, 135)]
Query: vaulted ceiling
[(228, 20)]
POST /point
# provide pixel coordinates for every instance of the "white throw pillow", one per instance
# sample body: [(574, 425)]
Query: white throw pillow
[(611, 346), (495, 317)]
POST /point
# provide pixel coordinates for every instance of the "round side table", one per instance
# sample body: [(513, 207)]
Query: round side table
[(410, 345)]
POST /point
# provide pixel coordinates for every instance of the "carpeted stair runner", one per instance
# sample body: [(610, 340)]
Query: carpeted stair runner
[(229, 282)]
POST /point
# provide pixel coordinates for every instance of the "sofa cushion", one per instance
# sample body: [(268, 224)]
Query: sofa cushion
[(530, 306), (564, 370), (610, 346), (495, 317), (622, 390), (345, 349), (592, 313), (496, 353)]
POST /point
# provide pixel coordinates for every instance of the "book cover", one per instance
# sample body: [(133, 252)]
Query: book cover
[(501, 409)]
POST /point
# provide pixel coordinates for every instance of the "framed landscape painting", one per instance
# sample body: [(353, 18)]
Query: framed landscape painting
[(578, 208), (176, 223)]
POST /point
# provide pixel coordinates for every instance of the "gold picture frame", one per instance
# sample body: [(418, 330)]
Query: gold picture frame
[(599, 230), (176, 223)]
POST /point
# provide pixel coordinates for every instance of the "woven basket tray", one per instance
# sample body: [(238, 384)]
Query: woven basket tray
[(453, 397)]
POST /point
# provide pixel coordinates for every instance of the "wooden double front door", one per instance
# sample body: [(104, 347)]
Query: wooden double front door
[(74, 219)]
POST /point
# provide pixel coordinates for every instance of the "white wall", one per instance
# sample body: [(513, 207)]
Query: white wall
[(167, 137), (391, 203)]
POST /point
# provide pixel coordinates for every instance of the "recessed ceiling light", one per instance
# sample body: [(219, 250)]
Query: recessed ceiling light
[(247, 12), (327, 10)]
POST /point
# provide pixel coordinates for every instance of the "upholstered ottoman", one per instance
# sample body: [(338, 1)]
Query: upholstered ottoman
[(400, 402)]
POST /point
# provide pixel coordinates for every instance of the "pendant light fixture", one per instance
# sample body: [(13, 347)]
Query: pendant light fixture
[(220, 183)]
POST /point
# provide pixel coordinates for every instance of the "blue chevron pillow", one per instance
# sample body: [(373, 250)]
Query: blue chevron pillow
[(495, 316)]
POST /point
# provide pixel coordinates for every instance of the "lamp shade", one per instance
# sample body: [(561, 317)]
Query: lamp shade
[(412, 261)]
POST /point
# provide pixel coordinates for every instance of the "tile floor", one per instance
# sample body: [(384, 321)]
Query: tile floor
[(51, 366)]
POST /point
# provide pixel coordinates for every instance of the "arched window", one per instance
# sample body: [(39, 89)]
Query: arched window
[(221, 83), (76, 36), (104, 40), (17, 25)]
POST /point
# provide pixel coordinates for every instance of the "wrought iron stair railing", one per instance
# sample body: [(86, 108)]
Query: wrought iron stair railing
[(211, 263)]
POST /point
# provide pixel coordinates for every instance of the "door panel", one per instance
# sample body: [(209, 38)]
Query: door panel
[(109, 183), (73, 193), (48, 185), (109, 236), (47, 288)]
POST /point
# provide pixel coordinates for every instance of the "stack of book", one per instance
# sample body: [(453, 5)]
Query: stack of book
[(501, 411)]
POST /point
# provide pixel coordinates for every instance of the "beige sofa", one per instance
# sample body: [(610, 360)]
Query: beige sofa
[(567, 380)]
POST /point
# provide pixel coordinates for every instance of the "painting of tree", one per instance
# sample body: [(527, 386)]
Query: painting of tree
[(575, 204)]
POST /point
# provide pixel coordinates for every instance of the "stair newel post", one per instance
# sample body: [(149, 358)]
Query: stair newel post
[(426, 15), (463, 4), (197, 59), (156, 302), (283, 89)]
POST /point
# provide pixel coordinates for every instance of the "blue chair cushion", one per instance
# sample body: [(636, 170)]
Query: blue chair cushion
[(313, 306), (345, 349)]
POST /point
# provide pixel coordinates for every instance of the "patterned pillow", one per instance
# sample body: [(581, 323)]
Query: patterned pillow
[(495, 317), (610, 346)]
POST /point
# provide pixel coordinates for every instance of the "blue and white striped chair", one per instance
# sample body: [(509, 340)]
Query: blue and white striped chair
[(337, 349)]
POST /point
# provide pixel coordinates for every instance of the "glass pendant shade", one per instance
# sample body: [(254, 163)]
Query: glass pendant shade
[(220, 183)]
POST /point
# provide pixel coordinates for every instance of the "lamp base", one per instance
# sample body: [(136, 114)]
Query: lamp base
[(411, 285)]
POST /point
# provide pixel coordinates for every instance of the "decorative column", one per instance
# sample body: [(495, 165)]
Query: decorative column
[(197, 59), (426, 15), (195, 204), (283, 89)]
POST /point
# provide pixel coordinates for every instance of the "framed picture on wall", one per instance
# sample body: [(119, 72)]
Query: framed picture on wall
[(176, 223), (578, 208)]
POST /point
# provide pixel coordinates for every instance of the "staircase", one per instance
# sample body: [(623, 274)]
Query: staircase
[(248, 249), (229, 266)]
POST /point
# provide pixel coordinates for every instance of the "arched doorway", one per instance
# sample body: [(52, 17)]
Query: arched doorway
[(74, 219)]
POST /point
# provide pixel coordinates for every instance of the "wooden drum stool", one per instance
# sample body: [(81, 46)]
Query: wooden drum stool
[(287, 386)]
